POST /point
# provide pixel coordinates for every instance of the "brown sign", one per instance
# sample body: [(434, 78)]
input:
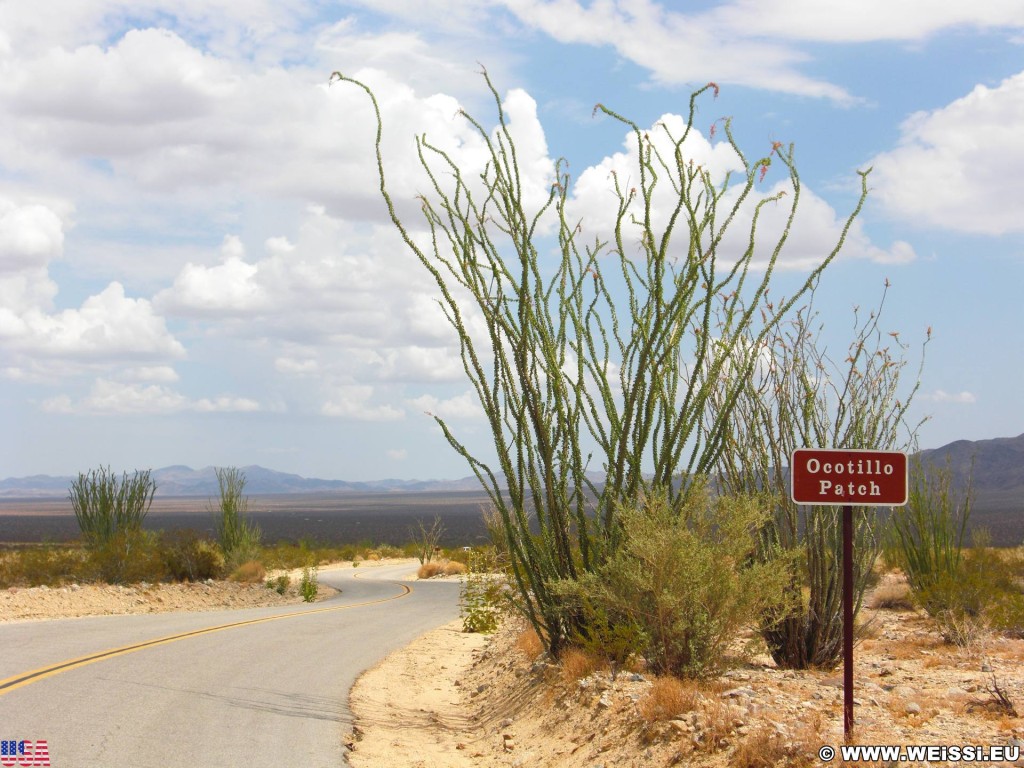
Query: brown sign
[(840, 477)]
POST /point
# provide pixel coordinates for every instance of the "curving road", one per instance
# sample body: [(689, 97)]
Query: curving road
[(248, 688)]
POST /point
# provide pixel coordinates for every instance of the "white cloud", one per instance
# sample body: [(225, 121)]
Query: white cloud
[(353, 401), (813, 235), (30, 236), (230, 288), (113, 397), (156, 373), (676, 48), (108, 325), (957, 167), (752, 42), (941, 396), (398, 454), (860, 21), (464, 406)]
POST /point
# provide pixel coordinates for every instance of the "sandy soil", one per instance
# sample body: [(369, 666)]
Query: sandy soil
[(452, 699)]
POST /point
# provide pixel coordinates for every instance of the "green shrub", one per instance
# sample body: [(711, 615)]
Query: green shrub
[(309, 587), (982, 593), (190, 557), (128, 557), (681, 584), (280, 584), (481, 596)]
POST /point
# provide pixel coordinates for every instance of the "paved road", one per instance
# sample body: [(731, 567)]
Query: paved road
[(272, 692)]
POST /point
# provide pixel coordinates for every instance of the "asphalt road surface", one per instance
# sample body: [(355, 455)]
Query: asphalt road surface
[(272, 690)]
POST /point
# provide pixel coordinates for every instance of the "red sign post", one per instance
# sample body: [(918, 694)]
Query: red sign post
[(848, 478)]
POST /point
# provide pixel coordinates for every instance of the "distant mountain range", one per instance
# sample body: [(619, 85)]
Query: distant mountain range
[(998, 482), (180, 480)]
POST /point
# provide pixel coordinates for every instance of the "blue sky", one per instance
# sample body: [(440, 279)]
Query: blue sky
[(195, 267)]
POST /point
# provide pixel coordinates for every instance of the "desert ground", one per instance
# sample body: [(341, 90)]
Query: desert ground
[(458, 699), (453, 699)]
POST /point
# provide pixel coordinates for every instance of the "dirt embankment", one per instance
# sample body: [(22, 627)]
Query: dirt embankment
[(457, 701)]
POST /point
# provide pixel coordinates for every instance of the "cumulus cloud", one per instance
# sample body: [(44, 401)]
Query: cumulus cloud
[(114, 397), (30, 237), (956, 167), (107, 326), (464, 406), (814, 232)]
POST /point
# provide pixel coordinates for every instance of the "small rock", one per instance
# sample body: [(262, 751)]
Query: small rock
[(636, 677), (506, 723), (912, 708), (737, 692), (604, 702)]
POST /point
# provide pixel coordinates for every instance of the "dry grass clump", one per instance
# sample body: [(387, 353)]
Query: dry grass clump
[(529, 644), (440, 568), (892, 596), (669, 698), (249, 572), (767, 748), (577, 664)]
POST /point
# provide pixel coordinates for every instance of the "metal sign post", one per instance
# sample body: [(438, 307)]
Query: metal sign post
[(851, 478)]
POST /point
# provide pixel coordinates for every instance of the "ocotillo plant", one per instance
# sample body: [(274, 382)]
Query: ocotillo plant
[(800, 397), (105, 505), (239, 537), (599, 358)]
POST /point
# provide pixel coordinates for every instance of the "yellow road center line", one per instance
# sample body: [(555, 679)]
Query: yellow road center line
[(26, 678)]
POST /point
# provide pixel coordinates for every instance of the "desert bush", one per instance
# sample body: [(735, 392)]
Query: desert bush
[(249, 572), (47, 565), (482, 598), (606, 355), (687, 582), (238, 537), (190, 557), (128, 557), (429, 570), (434, 568), (105, 505), (893, 597), (280, 584), (799, 396), (454, 568), (982, 593), (309, 587)]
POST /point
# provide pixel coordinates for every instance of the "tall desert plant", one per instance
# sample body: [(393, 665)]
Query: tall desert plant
[(801, 397), (927, 535), (597, 356), (106, 505), (239, 537)]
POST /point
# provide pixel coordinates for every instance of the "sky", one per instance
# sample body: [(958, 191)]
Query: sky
[(196, 266)]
